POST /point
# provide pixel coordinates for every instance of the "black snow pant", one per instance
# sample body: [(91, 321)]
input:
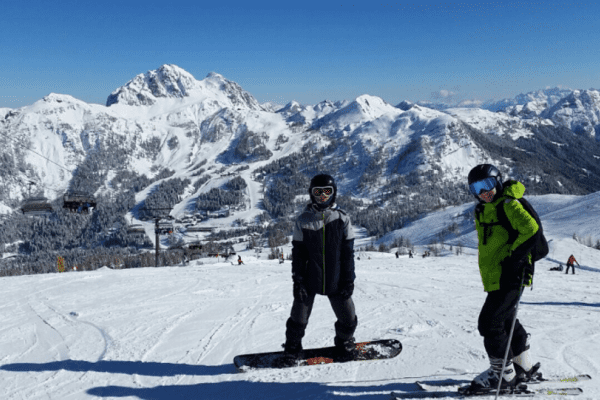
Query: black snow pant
[(343, 309), (572, 266), (495, 321)]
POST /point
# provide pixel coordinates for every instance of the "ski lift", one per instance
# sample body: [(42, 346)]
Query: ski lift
[(78, 202), (164, 228), (36, 206), (136, 228), (200, 229), (194, 246)]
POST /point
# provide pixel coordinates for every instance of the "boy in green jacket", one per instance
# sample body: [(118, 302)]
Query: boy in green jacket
[(505, 268)]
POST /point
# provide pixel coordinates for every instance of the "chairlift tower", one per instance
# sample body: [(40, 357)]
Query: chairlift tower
[(157, 231)]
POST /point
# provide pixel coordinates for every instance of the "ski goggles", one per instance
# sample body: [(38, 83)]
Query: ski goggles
[(322, 191), (484, 185)]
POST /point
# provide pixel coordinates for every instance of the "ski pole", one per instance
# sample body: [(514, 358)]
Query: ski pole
[(510, 335)]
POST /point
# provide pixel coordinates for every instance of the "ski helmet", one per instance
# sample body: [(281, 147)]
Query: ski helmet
[(485, 173), (319, 193)]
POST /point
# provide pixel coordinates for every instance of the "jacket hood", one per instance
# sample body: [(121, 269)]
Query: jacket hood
[(513, 189)]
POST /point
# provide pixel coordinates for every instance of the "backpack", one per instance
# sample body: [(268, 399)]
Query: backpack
[(540, 248)]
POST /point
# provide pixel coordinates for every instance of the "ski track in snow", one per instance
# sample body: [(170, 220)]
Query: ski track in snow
[(172, 333)]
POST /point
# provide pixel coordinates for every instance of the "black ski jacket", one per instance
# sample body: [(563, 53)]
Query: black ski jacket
[(323, 250)]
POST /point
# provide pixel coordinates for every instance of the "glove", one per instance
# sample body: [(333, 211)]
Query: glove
[(346, 290), (511, 273), (527, 274), (300, 292), (512, 267)]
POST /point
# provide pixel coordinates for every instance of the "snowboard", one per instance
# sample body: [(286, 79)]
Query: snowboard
[(373, 350)]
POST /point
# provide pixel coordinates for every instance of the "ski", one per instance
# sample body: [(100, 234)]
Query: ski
[(565, 379), (555, 379), (524, 392)]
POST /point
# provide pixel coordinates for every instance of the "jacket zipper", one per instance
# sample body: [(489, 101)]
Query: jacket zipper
[(323, 253)]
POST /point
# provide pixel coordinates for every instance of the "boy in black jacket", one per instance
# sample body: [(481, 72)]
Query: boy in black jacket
[(322, 263)]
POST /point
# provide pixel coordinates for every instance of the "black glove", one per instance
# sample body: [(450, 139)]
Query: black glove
[(300, 292), (517, 268), (346, 290), (527, 273)]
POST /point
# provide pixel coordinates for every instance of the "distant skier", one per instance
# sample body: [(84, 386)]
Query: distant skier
[(322, 263), (570, 262), (410, 254), (240, 262), (503, 267), (281, 260), (559, 268), (397, 255)]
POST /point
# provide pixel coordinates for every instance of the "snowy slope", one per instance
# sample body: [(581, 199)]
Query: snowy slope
[(171, 333), (492, 122)]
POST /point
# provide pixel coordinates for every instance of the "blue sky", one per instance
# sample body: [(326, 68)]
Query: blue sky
[(305, 51)]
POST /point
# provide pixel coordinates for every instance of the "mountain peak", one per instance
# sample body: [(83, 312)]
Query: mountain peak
[(579, 111), (171, 81), (168, 81), (59, 98), (405, 105), (215, 75), (234, 92)]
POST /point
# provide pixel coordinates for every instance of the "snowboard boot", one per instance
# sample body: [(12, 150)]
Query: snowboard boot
[(344, 340), (292, 348), (292, 353), (525, 369), (489, 379), (345, 349)]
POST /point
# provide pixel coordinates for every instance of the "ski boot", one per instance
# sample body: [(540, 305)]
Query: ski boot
[(487, 381), (525, 369)]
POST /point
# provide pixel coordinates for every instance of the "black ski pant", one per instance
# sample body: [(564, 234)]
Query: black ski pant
[(495, 321), (572, 266), (344, 311)]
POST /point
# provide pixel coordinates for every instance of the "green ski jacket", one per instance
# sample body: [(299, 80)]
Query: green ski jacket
[(493, 240)]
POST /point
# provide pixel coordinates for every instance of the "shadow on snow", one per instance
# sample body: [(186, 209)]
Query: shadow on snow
[(252, 390), (234, 389), (123, 367), (558, 303)]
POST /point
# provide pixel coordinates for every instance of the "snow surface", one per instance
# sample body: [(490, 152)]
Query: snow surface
[(172, 333)]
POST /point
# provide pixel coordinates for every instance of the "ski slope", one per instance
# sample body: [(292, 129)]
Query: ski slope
[(172, 333)]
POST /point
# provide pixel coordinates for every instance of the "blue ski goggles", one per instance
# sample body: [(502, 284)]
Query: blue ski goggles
[(484, 185)]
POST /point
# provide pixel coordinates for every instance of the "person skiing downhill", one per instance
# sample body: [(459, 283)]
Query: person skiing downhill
[(505, 269), (322, 263)]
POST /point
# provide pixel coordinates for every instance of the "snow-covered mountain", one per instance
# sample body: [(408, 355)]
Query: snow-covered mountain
[(579, 111), (549, 97), (172, 82), (167, 139)]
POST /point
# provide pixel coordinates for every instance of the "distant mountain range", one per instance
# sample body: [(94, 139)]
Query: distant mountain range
[(168, 140)]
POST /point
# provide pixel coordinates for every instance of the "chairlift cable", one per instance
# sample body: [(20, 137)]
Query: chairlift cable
[(35, 152)]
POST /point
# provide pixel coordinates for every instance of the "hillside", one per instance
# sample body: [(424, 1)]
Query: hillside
[(169, 145)]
